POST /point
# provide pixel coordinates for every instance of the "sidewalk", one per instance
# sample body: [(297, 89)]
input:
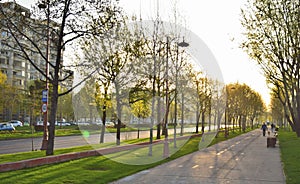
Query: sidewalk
[(243, 159)]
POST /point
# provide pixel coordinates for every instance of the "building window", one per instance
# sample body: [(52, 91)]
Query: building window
[(2, 61)]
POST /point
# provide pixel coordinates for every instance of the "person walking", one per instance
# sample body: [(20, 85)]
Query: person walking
[(272, 127), (264, 128)]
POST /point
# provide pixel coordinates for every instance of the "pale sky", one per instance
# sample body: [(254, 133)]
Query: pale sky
[(217, 23)]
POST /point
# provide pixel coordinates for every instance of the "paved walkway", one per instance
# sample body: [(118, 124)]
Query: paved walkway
[(244, 159)]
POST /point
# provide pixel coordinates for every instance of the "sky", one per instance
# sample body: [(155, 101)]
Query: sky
[(217, 23)]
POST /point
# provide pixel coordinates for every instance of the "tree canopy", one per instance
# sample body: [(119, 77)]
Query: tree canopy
[(272, 39)]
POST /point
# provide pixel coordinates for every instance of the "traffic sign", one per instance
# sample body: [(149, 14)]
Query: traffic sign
[(45, 95), (44, 108)]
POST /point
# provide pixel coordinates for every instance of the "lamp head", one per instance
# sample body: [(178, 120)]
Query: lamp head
[(183, 43)]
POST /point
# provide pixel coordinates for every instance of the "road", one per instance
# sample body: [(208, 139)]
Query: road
[(25, 145)]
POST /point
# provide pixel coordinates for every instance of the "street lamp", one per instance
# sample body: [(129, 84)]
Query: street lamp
[(181, 44), (166, 143), (44, 5)]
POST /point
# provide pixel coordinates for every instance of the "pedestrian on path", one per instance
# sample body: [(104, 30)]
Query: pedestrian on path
[(264, 128), (272, 127)]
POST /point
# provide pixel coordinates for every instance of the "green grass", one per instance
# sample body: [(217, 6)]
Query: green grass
[(4, 158), (102, 169), (290, 149), (97, 169), (27, 132)]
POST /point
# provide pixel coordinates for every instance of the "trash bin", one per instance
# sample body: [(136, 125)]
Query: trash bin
[(271, 141)]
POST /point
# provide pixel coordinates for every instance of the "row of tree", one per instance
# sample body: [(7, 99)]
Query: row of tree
[(130, 67), (244, 105), (151, 76), (272, 39)]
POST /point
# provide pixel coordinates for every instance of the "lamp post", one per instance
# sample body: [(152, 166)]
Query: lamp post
[(166, 143), (44, 5), (181, 44), (225, 116)]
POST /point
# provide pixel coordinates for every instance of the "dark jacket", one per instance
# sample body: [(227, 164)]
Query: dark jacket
[(264, 127)]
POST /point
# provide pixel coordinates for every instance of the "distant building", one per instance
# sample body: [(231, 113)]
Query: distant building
[(13, 63), (17, 67)]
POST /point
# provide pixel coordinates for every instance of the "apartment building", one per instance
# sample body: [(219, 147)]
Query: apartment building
[(18, 69)]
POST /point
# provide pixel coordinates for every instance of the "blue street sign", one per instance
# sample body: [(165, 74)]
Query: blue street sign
[(45, 95)]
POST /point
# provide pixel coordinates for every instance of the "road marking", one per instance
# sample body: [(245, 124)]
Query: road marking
[(195, 166), (220, 152)]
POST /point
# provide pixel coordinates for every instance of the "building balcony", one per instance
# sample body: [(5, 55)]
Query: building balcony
[(18, 67), (3, 65)]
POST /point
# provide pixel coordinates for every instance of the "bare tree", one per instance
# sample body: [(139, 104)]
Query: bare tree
[(113, 58), (64, 22)]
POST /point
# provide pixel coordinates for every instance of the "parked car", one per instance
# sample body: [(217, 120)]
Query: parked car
[(6, 127), (16, 123), (62, 123), (109, 124), (41, 123)]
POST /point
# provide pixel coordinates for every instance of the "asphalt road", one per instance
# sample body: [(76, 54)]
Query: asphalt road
[(25, 145)]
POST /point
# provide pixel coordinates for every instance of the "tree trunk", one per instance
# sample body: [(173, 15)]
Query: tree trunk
[(209, 119), (244, 123), (104, 116), (158, 117), (119, 113), (182, 113), (197, 118), (51, 131), (202, 122), (252, 124), (240, 123), (152, 115), (297, 128)]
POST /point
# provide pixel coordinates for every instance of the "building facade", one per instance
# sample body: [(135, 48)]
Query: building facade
[(13, 62), (23, 52)]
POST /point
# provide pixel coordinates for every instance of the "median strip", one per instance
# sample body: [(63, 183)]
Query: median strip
[(73, 156)]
